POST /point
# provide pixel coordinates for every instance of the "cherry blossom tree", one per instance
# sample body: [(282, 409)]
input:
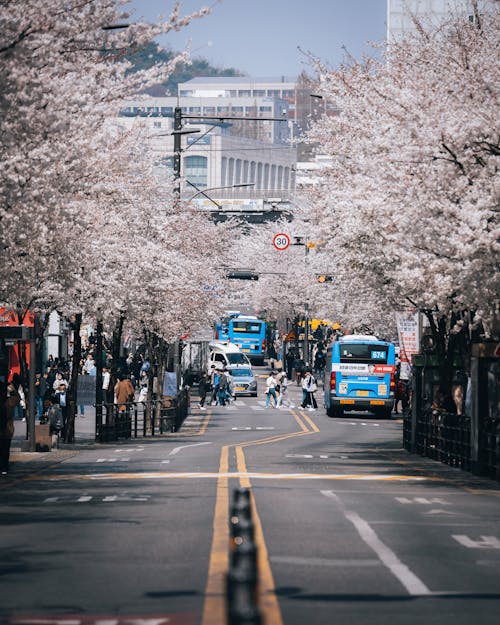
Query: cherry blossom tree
[(85, 226), (410, 200)]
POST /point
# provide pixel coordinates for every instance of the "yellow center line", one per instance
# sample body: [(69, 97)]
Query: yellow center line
[(314, 427), (204, 425), (214, 607)]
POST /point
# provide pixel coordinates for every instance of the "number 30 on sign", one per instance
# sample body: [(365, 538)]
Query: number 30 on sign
[(281, 241)]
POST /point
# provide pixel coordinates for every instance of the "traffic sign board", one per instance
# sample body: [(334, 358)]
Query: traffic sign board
[(281, 241)]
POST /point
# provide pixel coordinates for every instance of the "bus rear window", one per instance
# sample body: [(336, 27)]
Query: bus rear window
[(246, 327), (363, 352)]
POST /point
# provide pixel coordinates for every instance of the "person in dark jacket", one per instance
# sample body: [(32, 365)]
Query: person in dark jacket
[(203, 388), (9, 399)]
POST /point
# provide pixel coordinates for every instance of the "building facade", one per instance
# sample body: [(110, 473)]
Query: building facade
[(400, 13)]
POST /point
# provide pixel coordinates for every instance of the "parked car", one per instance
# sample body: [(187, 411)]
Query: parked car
[(244, 381), (224, 354)]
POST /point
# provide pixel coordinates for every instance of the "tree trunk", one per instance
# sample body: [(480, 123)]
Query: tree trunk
[(69, 434)]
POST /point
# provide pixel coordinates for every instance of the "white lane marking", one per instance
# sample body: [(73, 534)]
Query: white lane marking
[(423, 501), (299, 456), (84, 498), (238, 474), (265, 427), (259, 427), (486, 542), (165, 461), (176, 450), (257, 408), (297, 561), (413, 584), (113, 460)]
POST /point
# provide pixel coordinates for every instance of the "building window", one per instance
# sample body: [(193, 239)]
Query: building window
[(223, 173), (244, 93), (233, 93), (156, 124), (237, 109), (245, 171), (167, 109), (196, 168), (252, 171), (272, 182), (185, 93), (259, 176), (230, 172), (237, 177), (195, 109), (209, 109), (265, 184), (265, 109), (279, 183), (273, 93), (287, 178), (259, 93)]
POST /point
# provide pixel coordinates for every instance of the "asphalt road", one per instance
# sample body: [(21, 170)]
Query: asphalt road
[(349, 527)]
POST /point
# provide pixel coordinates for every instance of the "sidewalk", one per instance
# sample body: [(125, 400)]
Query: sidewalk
[(84, 439)]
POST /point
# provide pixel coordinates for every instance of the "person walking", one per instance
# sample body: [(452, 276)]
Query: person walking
[(271, 390), (40, 390), (203, 388), (214, 380), (223, 388), (9, 399), (284, 398), (309, 387)]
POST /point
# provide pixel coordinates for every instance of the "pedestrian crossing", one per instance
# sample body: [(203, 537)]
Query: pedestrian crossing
[(238, 404)]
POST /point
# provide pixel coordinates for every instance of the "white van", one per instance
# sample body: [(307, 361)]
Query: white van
[(225, 354)]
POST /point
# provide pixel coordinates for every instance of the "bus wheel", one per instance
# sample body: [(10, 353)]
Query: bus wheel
[(334, 411), (386, 413)]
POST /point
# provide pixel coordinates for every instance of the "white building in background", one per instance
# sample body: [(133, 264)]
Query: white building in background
[(214, 157), (400, 12)]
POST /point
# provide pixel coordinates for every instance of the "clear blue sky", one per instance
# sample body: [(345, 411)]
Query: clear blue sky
[(262, 37)]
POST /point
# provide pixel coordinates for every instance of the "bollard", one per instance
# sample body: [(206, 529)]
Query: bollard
[(241, 507), (242, 609), (244, 559), (241, 530)]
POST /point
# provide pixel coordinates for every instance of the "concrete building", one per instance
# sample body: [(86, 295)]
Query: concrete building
[(400, 12), (214, 157)]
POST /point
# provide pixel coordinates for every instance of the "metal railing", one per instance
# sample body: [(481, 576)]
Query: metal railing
[(140, 419)]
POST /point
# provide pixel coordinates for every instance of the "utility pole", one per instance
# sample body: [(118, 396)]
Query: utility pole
[(177, 150)]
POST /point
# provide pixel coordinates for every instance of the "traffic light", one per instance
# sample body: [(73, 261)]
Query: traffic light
[(242, 275), (325, 278)]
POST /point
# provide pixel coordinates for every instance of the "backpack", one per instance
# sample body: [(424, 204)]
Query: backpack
[(55, 417)]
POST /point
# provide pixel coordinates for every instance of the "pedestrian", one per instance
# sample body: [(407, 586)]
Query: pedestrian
[(309, 387), (56, 419), (214, 381), (40, 390), (143, 386), (289, 360), (106, 384), (124, 393), (299, 367), (9, 399), (89, 367), (61, 398), (284, 398), (203, 388), (271, 390), (223, 388), (60, 379)]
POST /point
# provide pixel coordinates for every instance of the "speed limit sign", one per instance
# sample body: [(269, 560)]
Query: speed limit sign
[(281, 241)]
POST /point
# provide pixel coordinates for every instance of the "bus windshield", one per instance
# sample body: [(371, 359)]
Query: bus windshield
[(247, 327), (369, 353), (237, 359)]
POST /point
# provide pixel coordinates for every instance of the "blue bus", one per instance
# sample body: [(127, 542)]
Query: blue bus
[(359, 376), (249, 334), (222, 325)]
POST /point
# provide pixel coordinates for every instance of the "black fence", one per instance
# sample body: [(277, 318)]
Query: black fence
[(142, 419), (469, 441)]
